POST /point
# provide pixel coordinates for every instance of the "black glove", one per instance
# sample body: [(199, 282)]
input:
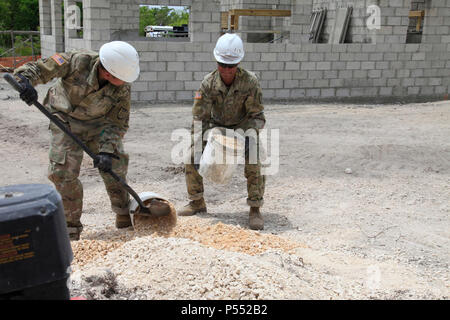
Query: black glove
[(104, 161), (28, 93)]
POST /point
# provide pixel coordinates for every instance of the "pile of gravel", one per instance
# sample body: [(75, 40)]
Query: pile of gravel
[(176, 268), (193, 260)]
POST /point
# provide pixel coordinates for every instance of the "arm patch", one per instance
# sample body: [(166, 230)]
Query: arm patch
[(58, 59), (198, 95)]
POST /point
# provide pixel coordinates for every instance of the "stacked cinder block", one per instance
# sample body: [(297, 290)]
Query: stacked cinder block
[(394, 21), (124, 15), (436, 28), (45, 19), (300, 21), (171, 71), (96, 22), (96, 25), (52, 33)]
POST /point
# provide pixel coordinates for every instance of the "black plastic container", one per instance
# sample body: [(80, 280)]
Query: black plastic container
[(35, 251)]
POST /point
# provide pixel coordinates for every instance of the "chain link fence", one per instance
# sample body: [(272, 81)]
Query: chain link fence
[(17, 48)]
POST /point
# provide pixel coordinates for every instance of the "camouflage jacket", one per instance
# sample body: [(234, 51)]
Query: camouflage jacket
[(77, 97), (239, 106)]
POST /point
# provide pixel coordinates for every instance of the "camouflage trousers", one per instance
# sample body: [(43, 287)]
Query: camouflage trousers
[(255, 182), (64, 168)]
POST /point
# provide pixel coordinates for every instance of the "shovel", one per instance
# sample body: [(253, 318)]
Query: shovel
[(157, 208)]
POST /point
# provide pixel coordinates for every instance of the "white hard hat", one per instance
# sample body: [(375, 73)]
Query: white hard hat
[(229, 49), (121, 60)]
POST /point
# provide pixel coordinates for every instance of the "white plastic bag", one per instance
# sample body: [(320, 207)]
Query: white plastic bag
[(221, 156)]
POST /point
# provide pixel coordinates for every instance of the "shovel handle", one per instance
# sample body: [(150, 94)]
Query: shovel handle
[(10, 79), (129, 190)]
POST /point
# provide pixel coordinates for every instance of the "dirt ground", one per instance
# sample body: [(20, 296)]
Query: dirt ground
[(380, 230)]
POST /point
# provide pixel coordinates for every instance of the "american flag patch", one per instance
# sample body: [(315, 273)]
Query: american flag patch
[(198, 95), (58, 59)]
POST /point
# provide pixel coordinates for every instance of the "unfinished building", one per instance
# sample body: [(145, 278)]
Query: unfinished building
[(369, 50)]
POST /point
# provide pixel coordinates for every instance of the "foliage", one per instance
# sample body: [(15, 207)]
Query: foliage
[(161, 16), (22, 46), (19, 15)]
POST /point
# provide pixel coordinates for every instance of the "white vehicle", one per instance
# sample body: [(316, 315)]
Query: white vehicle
[(157, 31)]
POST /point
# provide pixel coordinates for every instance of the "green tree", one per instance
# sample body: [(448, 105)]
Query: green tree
[(161, 16), (179, 17), (19, 15)]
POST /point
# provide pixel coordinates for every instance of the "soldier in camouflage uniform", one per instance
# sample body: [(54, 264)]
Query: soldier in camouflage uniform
[(92, 98), (229, 97)]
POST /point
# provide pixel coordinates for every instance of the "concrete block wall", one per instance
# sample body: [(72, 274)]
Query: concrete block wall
[(394, 20), (45, 17), (436, 27), (96, 25), (362, 71), (124, 15), (252, 23), (52, 33), (172, 71), (300, 21)]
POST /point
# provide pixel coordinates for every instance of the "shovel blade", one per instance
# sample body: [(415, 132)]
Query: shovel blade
[(162, 218), (156, 208), (143, 211)]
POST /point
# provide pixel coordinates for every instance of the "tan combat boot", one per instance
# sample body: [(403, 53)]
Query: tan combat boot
[(74, 230), (255, 219), (193, 207), (123, 221)]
